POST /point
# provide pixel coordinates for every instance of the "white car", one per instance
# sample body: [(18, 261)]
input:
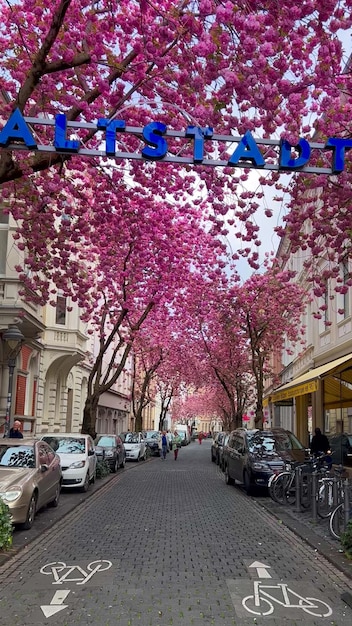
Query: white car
[(78, 458), (135, 446)]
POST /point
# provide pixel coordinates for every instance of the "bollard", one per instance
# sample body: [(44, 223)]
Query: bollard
[(346, 502), (335, 492), (298, 473), (315, 496)]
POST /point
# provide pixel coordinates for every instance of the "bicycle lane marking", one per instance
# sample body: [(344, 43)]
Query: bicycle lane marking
[(266, 595), (71, 577)]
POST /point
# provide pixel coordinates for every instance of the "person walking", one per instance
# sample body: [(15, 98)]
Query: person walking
[(15, 431), (163, 445), (200, 437), (176, 444)]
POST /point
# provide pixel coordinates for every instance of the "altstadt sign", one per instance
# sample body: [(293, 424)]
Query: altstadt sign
[(18, 134)]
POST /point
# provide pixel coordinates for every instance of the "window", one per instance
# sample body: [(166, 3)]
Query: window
[(60, 310)]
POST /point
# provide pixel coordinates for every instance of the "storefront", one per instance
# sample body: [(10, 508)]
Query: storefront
[(324, 393)]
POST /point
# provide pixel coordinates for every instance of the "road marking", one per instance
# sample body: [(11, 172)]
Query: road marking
[(261, 569), (74, 573), (57, 603)]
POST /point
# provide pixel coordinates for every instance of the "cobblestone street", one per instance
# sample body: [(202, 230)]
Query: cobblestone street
[(169, 543)]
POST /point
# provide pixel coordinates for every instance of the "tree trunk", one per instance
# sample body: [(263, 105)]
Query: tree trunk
[(90, 416)]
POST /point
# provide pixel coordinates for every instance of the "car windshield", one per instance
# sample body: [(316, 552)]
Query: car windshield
[(105, 441), (265, 442), (67, 445), (17, 456), (131, 438), (151, 434)]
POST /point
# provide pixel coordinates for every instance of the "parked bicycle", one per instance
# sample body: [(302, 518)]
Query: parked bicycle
[(338, 518), (283, 486)]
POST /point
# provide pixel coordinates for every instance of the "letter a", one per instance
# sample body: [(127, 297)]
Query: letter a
[(247, 150), (16, 129)]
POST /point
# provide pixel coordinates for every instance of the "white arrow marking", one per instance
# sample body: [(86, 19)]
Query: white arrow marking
[(56, 604), (261, 569)]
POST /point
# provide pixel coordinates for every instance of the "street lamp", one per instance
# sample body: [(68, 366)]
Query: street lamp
[(14, 338)]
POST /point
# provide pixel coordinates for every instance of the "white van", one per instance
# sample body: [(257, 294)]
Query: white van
[(183, 431)]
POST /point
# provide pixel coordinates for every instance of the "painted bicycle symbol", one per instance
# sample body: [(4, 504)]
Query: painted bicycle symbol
[(262, 602), (74, 573)]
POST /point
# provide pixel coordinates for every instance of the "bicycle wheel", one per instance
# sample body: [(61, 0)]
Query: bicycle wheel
[(264, 608), (318, 608), (337, 522), (325, 498), (283, 490)]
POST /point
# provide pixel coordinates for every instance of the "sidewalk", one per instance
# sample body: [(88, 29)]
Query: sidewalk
[(317, 535)]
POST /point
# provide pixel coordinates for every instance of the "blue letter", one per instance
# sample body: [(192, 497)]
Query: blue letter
[(247, 149), (60, 142), (152, 135), (338, 158), (286, 160), (111, 127), (16, 129), (199, 134)]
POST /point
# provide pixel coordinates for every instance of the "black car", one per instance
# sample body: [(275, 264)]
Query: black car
[(252, 456), (110, 448), (216, 446), (341, 448), (152, 441), (221, 451)]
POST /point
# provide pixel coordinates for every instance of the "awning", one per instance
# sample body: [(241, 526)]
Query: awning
[(309, 382)]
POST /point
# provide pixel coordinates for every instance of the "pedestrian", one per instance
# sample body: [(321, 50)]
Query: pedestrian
[(176, 444), (15, 431), (320, 446), (200, 437), (160, 446), (163, 445)]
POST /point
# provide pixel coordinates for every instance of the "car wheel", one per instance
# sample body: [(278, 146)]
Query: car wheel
[(30, 513), (85, 485), (115, 467), (228, 479), (138, 458), (55, 502), (248, 487)]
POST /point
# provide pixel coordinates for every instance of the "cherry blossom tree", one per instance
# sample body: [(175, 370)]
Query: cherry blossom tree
[(269, 308), (233, 66), (122, 238)]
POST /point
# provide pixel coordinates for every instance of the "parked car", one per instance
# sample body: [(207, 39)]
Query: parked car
[(221, 450), (78, 458), (252, 456), (110, 448), (341, 448), (214, 447), (152, 441), (217, 443), (135, 446), (30, 478)]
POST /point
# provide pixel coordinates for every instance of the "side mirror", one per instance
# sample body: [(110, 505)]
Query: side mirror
[(91, 452), (44, 467)]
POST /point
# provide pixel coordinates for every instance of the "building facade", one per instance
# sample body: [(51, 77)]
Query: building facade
[(43, 383), (315, 383)]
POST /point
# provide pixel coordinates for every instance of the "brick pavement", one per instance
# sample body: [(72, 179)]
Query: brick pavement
[(181, 545)]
